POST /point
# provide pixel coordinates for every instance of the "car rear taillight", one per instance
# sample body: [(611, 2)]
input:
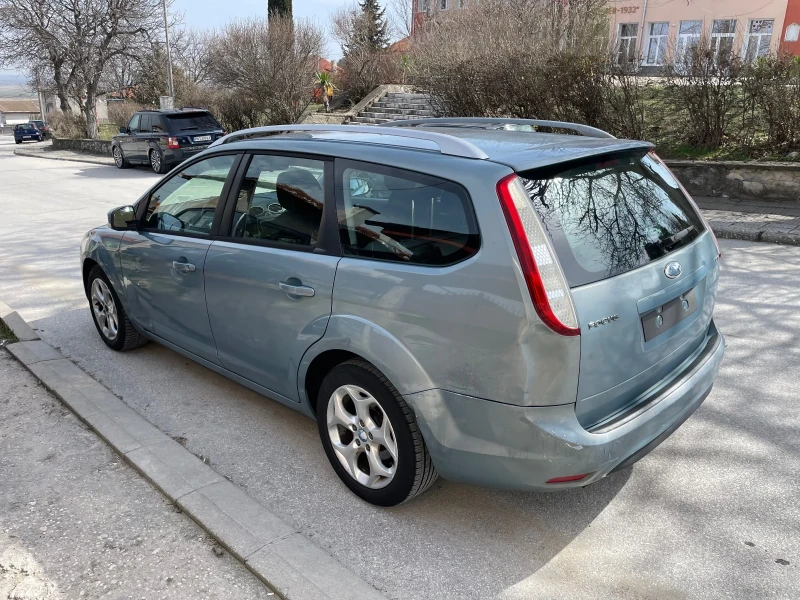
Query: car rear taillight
[(546, 282), (172, 143)]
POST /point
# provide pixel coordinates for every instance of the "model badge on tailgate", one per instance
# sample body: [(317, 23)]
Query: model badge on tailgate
[(604, 321)]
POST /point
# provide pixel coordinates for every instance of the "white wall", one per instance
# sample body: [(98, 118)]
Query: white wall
[(14, 118)]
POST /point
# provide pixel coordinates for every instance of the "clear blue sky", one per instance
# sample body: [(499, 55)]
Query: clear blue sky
[(209, 14)]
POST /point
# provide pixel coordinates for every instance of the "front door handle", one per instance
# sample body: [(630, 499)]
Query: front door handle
[(296, 290), (183, 267)]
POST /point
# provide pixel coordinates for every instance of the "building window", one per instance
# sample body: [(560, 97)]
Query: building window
[(792, 33), (657, 34), (689, 35), (723, 33), (443, 4), (423, 5), (627, 36), (759, 37)]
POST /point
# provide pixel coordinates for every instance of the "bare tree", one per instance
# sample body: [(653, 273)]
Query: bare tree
[(268, 66), (77, 40), (192, 54)]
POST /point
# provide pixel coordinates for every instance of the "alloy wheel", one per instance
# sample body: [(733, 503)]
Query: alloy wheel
[(117, 157), (105, 310), (155, 161), (362, 436)]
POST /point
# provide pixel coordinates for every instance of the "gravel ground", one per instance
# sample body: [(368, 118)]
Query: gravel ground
[(76, 522)]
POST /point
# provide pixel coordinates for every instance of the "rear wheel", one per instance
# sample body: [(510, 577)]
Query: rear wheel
[(18, 141), (119, 158), (157, 162), (371, 437), (109, 317)]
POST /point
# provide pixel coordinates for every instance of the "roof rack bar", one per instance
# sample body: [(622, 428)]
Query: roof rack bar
[(584, 130), (448, 144)]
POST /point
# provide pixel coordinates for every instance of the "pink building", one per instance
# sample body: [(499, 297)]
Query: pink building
[(647, 31)]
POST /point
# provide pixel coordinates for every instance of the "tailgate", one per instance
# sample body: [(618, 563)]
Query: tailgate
[(642, 267)]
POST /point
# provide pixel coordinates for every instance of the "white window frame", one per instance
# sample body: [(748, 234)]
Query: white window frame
[(662, 39), (632, 46), (716, 38), (423, 5), (686, 41), (749, 35)]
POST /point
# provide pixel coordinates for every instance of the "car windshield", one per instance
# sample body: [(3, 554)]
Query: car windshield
[(195, 121), (614, 215)]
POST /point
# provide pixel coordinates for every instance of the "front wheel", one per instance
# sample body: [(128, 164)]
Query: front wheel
[(157, 162), (371, 437), (113, 324)]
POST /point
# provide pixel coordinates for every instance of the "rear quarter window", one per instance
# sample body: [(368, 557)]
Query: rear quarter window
[(394, 215), (612, 215)]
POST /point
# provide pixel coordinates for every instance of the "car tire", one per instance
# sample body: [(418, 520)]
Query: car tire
[(157, 162), (110, 318), (119, 158), (18, 141), (357, 395)]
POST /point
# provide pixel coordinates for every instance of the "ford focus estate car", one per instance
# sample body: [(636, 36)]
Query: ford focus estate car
[(507, 308)]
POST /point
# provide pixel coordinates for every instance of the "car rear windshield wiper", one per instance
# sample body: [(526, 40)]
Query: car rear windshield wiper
[(671, 241)]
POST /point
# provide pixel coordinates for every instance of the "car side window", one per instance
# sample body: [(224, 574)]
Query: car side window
[(187, 201), (146, 124), (281, 200), (156, 124), (133, 126), (395, 215)]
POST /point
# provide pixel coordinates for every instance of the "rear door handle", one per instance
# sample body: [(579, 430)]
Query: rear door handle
[(296, 290), (183, 267)]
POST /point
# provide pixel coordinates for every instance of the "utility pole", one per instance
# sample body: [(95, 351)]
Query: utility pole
[(169, 52)]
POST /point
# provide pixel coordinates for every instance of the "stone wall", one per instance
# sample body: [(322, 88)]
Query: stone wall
[(89, 146), (746, 180)]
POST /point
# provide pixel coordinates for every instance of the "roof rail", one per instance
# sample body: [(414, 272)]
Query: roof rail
[(448, 144), (584, 130)]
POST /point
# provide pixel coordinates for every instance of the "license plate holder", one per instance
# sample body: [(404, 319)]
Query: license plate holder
[(666, 316), (202, 138)]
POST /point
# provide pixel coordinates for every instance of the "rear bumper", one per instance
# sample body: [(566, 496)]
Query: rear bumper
[(515, 447)]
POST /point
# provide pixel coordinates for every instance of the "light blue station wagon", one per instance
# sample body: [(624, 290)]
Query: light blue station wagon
[(470, 298)]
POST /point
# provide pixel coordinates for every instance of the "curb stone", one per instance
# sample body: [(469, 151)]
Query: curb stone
[(94, 160), (272, 549), (749, 234)]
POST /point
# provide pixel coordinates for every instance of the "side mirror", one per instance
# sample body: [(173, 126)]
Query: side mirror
[(122, 218), (123, 130)]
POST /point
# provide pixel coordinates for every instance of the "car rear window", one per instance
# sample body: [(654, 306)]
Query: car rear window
[(612, 215), (197, 121)]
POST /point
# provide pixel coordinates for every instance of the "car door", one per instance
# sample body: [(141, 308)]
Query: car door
[(269, 275), (127, 141), (162, 261), (143, 137)]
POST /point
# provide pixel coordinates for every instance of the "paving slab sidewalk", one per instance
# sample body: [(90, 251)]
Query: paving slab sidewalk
[(773, 221), (271, 548)]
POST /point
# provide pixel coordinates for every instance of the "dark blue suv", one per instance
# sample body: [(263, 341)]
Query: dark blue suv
[(27, 132)]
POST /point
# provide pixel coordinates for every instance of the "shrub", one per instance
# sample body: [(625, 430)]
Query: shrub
[(67, 125), (120, 113)]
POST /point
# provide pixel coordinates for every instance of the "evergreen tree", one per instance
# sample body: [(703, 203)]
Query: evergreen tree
[(375, 36), (280, 8)]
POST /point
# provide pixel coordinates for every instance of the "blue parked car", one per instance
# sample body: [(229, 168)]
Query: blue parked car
[(27, 132), (498, 305)]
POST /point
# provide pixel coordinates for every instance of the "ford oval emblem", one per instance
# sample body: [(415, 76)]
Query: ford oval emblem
[(673, 270)]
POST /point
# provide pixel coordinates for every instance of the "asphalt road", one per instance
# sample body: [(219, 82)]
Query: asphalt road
[(712, 513)]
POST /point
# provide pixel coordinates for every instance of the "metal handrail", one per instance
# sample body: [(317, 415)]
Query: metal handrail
[(584, 130), (448, 144)]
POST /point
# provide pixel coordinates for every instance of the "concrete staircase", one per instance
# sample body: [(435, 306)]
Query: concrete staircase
[(395, 106)]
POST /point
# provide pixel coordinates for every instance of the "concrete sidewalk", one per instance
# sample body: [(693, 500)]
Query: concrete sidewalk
[(45, 150), (772, 221), (77, 522)]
